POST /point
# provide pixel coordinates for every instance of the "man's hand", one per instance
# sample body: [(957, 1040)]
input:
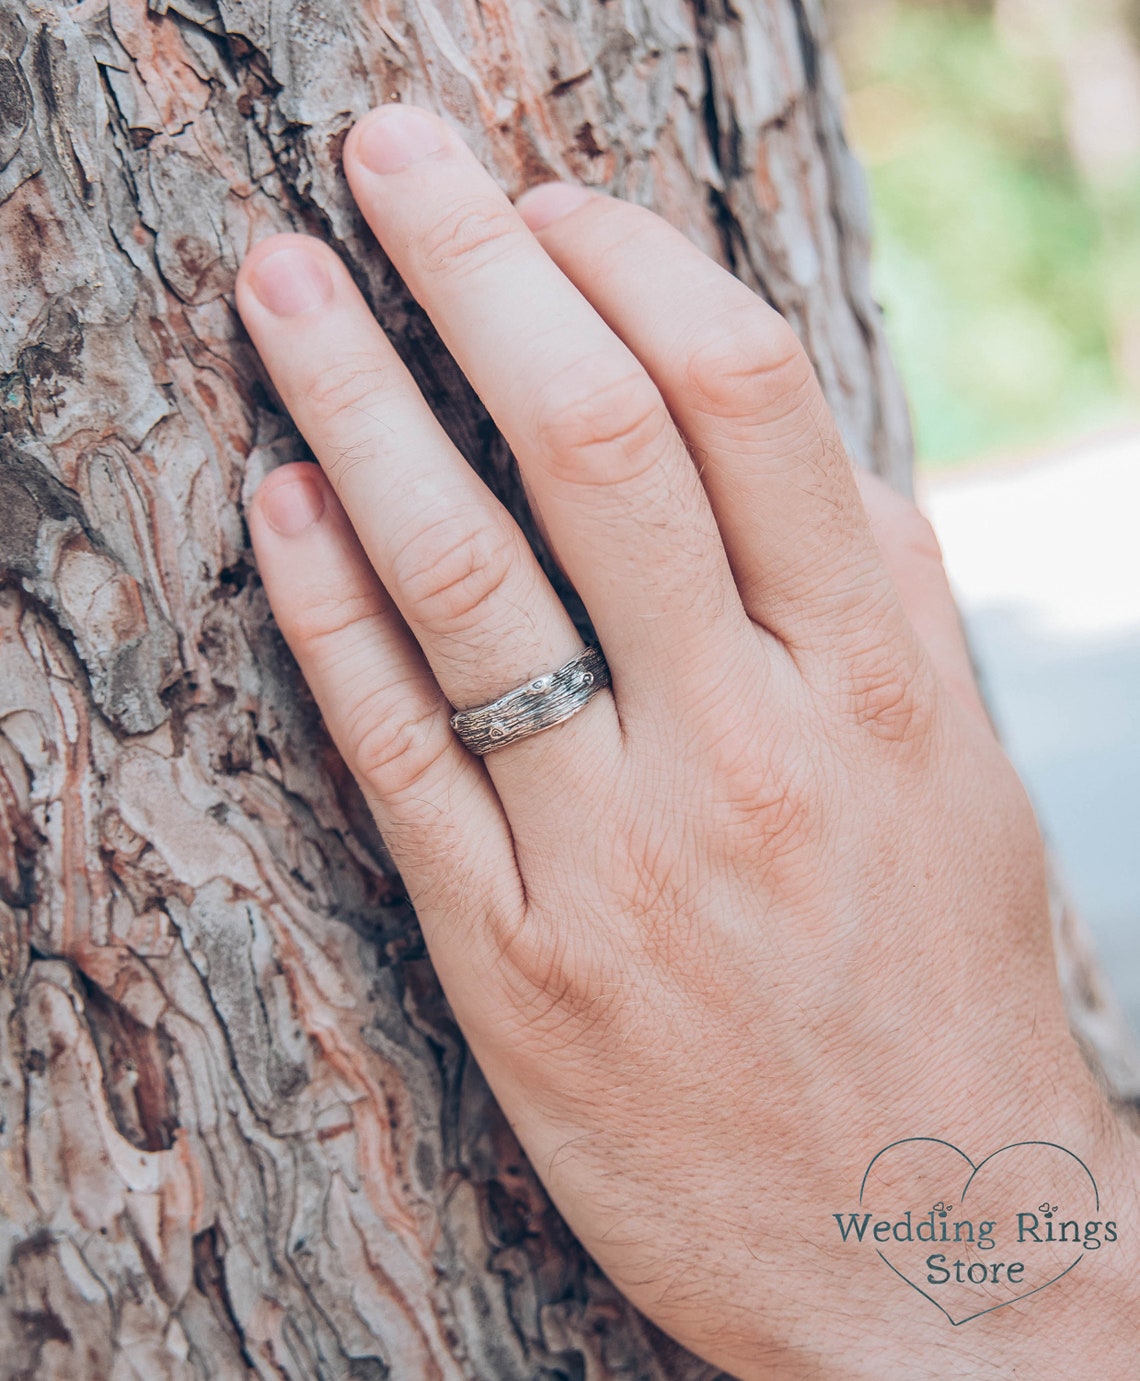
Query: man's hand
[(775, 901)]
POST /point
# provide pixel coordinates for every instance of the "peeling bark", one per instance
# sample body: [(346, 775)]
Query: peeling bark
[(240, 1134)]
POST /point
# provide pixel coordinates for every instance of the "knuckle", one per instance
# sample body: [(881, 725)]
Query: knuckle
[(918, 535), (773, 812), (393, 747), (390, 735), (450, 572), (603, 427), (351, 383), (748, 361), (887, 697), (904, 533), (536, 965), (329, 623), (662, 900), (768, 791), (473, 232), (560, 993)]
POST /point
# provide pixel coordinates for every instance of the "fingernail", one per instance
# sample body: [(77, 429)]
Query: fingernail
[(291, 281), (541, 205), (393, 137), (291, 507)]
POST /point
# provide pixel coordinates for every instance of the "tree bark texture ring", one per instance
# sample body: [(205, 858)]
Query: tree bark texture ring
[(535, 705)]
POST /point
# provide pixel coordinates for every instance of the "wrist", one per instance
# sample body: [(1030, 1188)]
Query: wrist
[(876, 1283)]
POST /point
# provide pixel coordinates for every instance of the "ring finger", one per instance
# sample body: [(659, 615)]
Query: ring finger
[(455, 563)]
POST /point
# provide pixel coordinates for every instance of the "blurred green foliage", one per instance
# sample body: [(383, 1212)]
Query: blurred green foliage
[(995, 262)]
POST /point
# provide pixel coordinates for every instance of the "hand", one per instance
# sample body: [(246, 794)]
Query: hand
[(776, 900)]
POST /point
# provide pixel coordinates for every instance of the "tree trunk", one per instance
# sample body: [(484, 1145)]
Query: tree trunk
[(240, 1133)]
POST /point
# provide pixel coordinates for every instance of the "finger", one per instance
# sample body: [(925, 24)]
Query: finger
[(627, 517), (454, 561), (913, 560), (434, 803), (745, 395)]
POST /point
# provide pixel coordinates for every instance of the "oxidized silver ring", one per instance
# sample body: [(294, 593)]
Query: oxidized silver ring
[(535, 705)]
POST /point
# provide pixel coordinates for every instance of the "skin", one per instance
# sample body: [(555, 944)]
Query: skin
[(775, 900)]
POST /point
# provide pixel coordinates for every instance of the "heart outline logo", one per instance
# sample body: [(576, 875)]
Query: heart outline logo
[(974, 1171)]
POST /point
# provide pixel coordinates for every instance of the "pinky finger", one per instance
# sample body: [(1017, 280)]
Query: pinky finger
[(434, 803)]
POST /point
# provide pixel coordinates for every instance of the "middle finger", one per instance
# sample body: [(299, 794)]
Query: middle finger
[(620, 498)]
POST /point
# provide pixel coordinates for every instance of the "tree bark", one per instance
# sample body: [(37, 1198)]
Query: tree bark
[(240, 1133)]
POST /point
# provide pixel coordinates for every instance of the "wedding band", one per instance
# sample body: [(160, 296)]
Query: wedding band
[(535, 705)]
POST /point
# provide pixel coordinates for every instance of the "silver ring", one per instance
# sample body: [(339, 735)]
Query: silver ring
[(535, 705)]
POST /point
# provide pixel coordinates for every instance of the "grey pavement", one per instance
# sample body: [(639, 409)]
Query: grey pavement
[(1045, 559)]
